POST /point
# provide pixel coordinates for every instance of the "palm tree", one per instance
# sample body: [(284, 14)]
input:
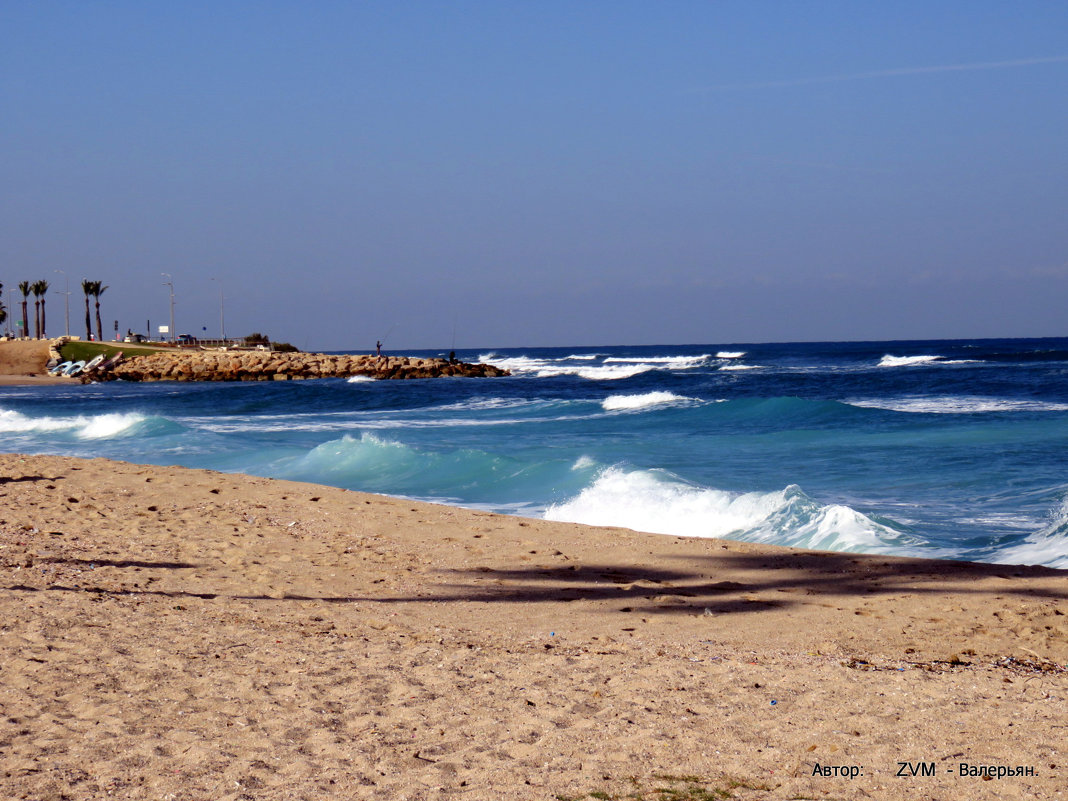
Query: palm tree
[(35, 288), (98, 290), (87, 288), (44, 293), (39, 289), (24, 288)]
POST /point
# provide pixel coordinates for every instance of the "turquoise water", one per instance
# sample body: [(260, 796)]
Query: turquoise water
[(952, 449)]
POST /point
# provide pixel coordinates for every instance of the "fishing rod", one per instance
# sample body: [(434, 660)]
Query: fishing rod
[(382, 341)]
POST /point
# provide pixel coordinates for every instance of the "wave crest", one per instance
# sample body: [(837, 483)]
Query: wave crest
[(907, 361), (1048, 546), (583, 365), (614, 403), (100, 426), (658, 503)]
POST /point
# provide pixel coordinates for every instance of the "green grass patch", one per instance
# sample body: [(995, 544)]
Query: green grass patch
[(84, 351)]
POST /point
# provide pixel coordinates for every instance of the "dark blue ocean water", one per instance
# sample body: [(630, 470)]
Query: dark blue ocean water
[(953, 449)]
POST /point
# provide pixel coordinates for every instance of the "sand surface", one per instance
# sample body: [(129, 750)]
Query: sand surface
[(178, 634), (22, 362)]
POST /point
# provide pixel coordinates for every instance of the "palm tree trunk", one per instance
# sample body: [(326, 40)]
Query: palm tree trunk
[(88, 321), (44, 328), (37, 317), (25, 317), (99, 330)]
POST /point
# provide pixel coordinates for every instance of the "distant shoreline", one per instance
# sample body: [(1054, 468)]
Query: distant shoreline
[(23, 363)]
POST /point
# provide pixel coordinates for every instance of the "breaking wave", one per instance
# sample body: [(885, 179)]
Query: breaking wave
[(615, 403), (918, 361), (656, 502), (100, 426), (1048, 546), (907, 361)]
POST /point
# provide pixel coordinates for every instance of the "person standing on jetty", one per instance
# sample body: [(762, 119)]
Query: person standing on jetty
[(378, 346)]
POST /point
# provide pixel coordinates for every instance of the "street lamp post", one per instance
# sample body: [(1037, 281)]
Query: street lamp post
[(222, 316), (171, 285), (66, 303)]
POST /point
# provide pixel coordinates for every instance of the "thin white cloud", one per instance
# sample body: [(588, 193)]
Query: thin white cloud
[(894, 73)]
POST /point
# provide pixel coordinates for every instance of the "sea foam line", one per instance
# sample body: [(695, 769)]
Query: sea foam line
[(916, 361), (580, 365), (670, 362), (907, 361), (962, 404), (614, 403)]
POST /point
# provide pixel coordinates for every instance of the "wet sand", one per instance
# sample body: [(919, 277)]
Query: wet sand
[(181, 634)]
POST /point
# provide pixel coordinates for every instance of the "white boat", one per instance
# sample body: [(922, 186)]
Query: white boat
[(60, 368), (75, 368), (93, 363), (110, 362)]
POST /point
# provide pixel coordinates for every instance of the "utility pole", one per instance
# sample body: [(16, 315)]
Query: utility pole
[(171, 285), (66, 288), (222, 316)]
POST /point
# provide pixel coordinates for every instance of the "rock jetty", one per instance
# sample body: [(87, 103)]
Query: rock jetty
[(217, 365)]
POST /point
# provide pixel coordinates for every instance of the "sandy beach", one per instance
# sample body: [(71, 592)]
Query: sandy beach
[(179, 634), (22, 363)]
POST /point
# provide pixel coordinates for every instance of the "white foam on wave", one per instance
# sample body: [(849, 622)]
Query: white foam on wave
[(1001, 520), (271, 423), (359, 379), (614, 403), (1048, 546), (739, 367), (580, 365), (467, 414), (730, 354), (613, 372), (664, 362), (551, 368), (490, 404), (908, 361), (101, 426), (17, 423), (956, 404), (516, 364), (661, 504)]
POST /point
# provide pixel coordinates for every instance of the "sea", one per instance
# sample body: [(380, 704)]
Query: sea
[(944, 449)]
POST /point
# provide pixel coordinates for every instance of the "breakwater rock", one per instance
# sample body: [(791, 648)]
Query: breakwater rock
[(265, 366)]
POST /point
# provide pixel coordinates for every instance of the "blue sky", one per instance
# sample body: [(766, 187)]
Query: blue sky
[(546, 173)]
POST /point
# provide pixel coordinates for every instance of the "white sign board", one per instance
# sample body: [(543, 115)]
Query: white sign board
[(164, 329)]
